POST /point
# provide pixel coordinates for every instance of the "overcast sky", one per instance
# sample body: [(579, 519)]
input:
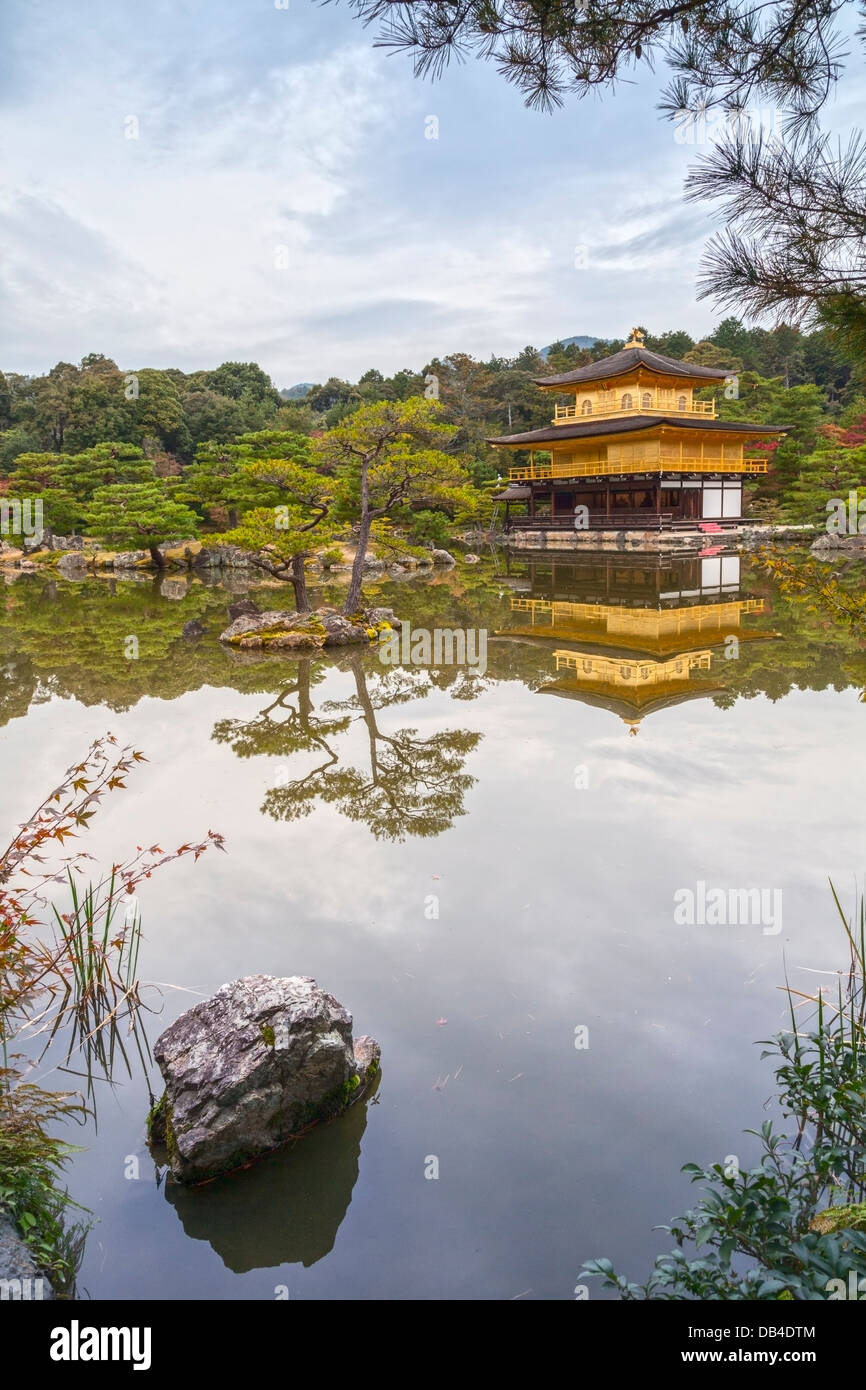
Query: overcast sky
[(281, 202)]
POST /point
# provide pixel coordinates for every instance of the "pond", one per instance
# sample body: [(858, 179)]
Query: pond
[(483, 864)]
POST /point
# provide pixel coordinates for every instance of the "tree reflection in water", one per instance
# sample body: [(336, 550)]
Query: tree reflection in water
[(409, 785)]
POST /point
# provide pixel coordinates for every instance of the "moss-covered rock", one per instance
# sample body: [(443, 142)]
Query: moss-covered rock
[(291, 631), (251, 1068), (156, 1121)]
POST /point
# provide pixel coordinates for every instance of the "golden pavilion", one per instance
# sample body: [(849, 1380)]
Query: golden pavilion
[(634, 451)]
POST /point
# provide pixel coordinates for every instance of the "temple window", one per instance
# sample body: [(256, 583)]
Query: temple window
[(646, 401), (627, 402), (586, 408), (681, 403)]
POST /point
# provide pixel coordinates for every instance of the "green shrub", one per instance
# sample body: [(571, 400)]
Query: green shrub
[(431, 528)]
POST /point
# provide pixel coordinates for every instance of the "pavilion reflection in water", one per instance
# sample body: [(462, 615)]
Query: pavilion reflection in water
[(643, 632)]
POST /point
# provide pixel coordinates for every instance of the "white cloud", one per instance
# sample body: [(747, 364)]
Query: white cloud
[(261, 129)]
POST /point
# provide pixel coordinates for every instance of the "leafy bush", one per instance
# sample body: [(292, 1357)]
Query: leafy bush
[(431, 528), (30, 1163), (332, 556)]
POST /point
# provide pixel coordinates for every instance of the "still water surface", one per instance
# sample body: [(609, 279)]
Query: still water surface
[(641, 727)]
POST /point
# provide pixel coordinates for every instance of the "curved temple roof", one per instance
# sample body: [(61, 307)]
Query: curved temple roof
[(626, 425), (627, 361)]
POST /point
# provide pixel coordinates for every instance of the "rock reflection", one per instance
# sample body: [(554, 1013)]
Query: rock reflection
[(285, 1209)]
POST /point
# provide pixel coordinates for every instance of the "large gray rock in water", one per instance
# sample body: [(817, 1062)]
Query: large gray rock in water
[(340, 631), (826, 542), (835, 546), (222, 557), (207, 559), (251, 1067), (376, 616), (259, 629), (72, 565)]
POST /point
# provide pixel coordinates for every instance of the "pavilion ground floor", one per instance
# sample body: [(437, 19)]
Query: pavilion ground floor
[(629, 502)]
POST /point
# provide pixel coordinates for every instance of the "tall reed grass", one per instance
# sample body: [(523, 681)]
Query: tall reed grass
[(70, 975)]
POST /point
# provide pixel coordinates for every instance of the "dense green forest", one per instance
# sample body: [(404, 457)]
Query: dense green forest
[(186, 443)]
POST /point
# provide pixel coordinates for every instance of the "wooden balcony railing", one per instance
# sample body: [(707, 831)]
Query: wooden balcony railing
[(597, 468), (620, 671), (651, 621), (568, 414)]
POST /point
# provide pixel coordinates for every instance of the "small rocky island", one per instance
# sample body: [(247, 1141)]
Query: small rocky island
[(252, 1067), (293, 631)]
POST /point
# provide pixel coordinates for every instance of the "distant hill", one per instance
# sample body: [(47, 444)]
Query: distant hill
[(293, 393), (580, 341)]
